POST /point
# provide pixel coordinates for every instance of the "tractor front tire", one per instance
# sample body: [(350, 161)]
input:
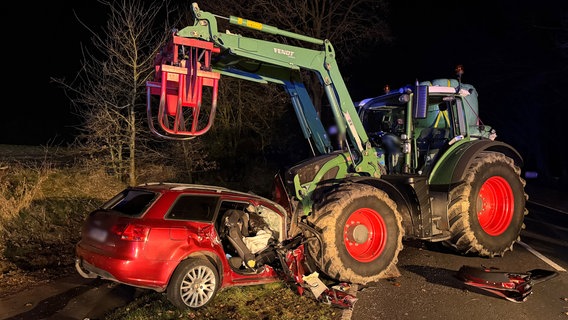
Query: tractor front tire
[(361, 234), (487, 210)]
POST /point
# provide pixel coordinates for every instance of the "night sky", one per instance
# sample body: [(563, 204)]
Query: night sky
[(514, 52)]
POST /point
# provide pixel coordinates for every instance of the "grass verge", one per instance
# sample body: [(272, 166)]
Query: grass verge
[(275, 301)]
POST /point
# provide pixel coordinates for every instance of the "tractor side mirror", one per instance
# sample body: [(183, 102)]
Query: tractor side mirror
[(420, 102)]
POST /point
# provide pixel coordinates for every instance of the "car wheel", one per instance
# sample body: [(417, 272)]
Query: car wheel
[(193, 284)]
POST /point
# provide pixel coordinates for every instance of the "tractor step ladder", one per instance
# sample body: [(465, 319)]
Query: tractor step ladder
[(179, 83)]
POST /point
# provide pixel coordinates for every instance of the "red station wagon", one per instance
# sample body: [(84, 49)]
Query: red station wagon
[(187, 240)]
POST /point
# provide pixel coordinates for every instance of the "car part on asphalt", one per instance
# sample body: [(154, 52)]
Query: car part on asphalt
[(513, 286)]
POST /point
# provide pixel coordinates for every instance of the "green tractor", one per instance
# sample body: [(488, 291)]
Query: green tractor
[(412, 164)]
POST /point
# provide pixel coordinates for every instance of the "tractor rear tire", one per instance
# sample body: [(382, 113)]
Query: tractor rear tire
[(361, 233), (487, 210)]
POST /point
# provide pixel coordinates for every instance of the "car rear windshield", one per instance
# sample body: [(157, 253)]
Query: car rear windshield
[(131, 202)]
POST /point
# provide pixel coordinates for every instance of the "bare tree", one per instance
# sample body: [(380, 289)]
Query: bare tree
[(245, 118), (109, 91)]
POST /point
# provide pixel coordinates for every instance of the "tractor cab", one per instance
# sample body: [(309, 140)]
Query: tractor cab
[(420, 122)]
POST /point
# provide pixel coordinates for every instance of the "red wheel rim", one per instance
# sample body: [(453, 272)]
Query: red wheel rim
[(365, 235), (495, 204)]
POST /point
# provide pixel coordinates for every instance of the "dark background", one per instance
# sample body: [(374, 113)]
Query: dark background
[(514, 52)]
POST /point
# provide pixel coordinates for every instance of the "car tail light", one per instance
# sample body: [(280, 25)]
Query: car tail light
[(131, 232)]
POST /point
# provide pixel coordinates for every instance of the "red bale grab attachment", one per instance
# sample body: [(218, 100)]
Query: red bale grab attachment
[(179, 82)]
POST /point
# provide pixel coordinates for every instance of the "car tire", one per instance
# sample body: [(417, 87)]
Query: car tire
[(487, 210), (193, 284)]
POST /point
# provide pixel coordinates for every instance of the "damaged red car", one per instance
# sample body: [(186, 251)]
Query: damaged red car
[(189, 241)]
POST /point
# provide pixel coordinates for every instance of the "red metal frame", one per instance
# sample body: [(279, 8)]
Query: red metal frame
[(180, 83)]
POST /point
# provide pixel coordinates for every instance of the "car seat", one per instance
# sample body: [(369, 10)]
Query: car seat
[(235, 224)]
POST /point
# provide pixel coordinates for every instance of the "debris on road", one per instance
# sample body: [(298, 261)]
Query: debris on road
[(336, 296), (513, 286)]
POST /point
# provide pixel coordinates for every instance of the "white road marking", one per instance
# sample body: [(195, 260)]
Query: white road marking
[(548, 207), (542, 257)]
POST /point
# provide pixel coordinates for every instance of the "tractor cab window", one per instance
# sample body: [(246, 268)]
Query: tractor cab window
[(384, 119), (460, 123), (444, 120)]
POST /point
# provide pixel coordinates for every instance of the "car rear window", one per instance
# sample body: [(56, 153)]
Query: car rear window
[(131, 202), (193, 207)]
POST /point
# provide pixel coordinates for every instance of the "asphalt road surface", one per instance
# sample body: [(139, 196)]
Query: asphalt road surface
[(427, 289)]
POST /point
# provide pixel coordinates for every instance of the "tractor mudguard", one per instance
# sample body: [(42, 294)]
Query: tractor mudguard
[(513, 286), (453, 164)]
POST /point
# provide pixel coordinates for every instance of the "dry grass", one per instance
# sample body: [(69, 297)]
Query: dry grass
[(19, 186), (42, 207), (273, 301)]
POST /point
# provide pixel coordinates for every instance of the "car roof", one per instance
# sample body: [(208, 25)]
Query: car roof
[(166, 186)]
